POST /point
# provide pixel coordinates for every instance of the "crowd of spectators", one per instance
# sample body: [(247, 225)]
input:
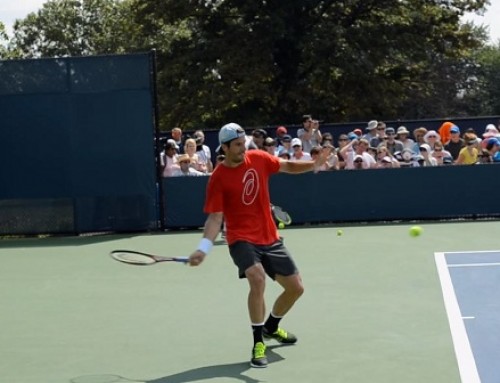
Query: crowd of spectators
[(375, 146)]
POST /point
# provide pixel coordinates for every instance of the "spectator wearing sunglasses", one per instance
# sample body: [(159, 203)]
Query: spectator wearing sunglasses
[(385, 159), (258, 138), (298, 153), (426, 153), (403, 135), (418, 135), (380, 136), (442, 156), (285, 144), (185, 168), (469, 154), (455, 144), (391, 143), (270, 146), (431, 137)]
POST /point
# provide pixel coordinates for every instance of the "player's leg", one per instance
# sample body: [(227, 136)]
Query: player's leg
[(256, 277), (280, 266), (246, 257), (292, 290)]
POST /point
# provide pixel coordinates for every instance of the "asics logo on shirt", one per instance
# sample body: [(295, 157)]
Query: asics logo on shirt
[(251, 187)]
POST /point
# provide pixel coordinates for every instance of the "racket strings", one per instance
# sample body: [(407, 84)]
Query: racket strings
[(138, 259)]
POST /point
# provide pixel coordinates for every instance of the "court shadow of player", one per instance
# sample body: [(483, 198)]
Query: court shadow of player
[(232, 370)]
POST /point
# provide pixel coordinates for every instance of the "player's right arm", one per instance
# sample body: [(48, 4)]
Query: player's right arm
[(210, 232)]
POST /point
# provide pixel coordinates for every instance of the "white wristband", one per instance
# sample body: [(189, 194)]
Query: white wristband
[(205, 245)]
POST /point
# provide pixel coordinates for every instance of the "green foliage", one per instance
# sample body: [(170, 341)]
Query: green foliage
[(483, 96), (74, 28), (264, 61)]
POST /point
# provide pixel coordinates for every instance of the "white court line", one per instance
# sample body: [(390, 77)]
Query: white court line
[(474, 264), (461, 344)]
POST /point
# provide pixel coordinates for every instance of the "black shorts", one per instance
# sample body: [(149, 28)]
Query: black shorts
[(274, 258)]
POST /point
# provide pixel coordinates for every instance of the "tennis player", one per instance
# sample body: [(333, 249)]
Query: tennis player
[(238, 191)]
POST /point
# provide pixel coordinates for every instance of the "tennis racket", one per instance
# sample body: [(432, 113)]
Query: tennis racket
[(137, 258), (280, 215)]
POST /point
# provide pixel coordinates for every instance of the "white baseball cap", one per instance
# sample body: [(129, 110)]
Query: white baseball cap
[(230, 132)]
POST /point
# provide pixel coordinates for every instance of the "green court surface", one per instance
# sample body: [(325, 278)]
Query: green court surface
[(372, 310)]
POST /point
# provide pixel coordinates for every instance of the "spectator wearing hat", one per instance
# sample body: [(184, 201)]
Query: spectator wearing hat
[(444, 131), (455, 143), (469, 154), (431, 137), (185, 169), (169, 159), (418, 135), (203, 151), (391, 143), (370, 130), (493, 148), (358, 162), (403, 135), (354, 149), (285, 144), (285, 154), (490, 131), (380, 136), (442, 156), (426, 153), (309, 134), (270, 146), (280, 132), (258, 138), (408, 159), (298, 153)]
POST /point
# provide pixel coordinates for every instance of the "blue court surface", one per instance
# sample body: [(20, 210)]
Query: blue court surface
[(470, 282)]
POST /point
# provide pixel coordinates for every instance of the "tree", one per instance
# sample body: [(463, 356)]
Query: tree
[(75, 28), (269, 62), (483, 96), (264, 61)]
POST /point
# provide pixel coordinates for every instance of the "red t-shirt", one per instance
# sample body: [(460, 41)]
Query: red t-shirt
[(242, 194)]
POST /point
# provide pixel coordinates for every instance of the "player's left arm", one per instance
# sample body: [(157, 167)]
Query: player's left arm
[(296, 167)]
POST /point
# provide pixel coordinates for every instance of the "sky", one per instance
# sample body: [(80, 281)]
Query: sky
[(10, 10)]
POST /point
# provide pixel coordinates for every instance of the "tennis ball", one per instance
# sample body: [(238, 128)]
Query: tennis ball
[(339, 232), (281, 225), (415, 231)]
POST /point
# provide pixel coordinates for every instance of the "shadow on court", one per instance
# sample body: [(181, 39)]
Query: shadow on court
[(84, 240), (232, 370)]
